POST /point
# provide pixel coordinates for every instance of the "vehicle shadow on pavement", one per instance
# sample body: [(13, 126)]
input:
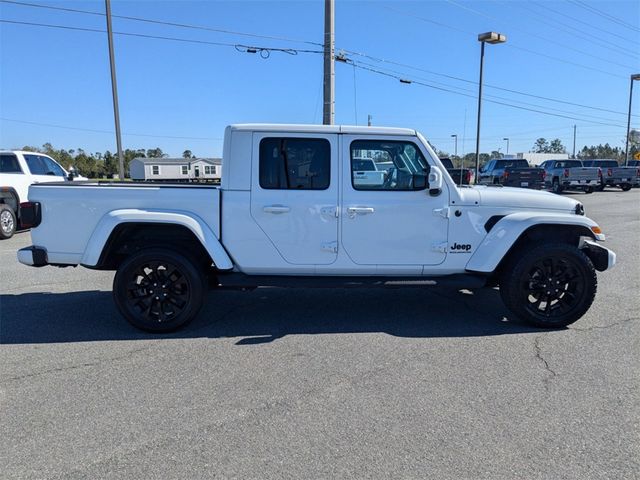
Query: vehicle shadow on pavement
[(266, 314)]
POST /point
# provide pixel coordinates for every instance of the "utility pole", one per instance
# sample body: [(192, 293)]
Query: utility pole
[(328, 113), (626, 146), (114, 90), (369, 118), (574, 142)]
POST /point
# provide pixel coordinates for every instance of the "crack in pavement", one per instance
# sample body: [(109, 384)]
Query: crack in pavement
[(538, 350), (77, 366), (604, 327)]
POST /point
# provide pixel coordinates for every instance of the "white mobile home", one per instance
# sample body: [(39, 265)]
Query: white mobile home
[(176, 169)]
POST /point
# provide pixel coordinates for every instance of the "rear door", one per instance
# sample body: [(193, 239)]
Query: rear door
[(294, 194)]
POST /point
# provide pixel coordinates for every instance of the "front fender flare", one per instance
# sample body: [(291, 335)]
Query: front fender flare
[(508, 230), (194, 223)]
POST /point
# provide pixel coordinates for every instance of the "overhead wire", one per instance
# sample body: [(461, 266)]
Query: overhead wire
[(541, 37), (66, 127), (250, 49), (164, 22), (606, 15)]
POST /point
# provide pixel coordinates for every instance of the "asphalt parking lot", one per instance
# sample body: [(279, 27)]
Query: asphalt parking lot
[(321, 383)]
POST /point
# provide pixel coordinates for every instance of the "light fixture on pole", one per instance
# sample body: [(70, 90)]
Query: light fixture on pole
[(456, 144), (626, 147), (505, 138), (491, 38)]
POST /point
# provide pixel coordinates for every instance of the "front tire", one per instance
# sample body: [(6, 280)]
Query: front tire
[(549, 286), (7, 221), (159, 290)]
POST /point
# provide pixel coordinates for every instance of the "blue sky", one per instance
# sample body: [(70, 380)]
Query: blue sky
[(52, 78)]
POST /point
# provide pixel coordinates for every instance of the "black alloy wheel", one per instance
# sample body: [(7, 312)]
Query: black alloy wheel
[(159, 290), (550, 286)]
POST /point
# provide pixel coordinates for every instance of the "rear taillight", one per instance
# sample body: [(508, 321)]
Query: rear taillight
[(30, 214), (638, 172), (566, 173), (467, 177), (609, 172), (543, 174)]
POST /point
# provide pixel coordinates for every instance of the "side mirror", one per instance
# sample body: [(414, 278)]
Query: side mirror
[(435, 181), (419, 181)]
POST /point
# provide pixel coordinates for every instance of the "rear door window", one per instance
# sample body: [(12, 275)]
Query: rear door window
[(295, 163), (9, 164)]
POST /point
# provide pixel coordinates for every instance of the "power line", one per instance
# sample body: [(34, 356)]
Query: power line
[(407, 80), (162, 22), (600, 13), (473, 82), (243, 48), (541, 37), (66, 127), (510, 44), (590, 25), (403, 75), (622, 50)]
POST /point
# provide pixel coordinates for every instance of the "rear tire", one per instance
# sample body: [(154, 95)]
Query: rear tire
[(625, 187), (588, 190), (549, 286), (555, 186), (158, 290), (8, 221)]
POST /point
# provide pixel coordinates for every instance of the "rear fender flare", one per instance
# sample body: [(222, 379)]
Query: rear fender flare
[(509, 229), (194, 223)]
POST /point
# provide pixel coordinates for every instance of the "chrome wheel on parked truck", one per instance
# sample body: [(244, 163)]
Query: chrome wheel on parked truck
[(7, 221), (159, 290), (551, 285)]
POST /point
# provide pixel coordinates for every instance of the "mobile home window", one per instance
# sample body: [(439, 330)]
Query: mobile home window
[(295, 163), (155, 170), (207, 170), (185, 170)]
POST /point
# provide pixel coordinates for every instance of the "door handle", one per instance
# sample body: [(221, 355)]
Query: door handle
[(353, 211), (276, 209)]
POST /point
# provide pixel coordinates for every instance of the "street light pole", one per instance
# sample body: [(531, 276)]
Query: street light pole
[(114, 91), (456, 144), (626, 147), (507, 144), (491, 38)]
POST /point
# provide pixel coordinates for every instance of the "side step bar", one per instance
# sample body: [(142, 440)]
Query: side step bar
[(241, 280)]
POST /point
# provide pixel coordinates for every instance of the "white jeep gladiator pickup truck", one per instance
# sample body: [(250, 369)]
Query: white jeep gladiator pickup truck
[(289, 212)]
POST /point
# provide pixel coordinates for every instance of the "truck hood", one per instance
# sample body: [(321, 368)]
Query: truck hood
[(517, 198)]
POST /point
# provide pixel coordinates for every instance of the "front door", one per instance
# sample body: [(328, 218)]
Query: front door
[(386, 219), (294, 195)]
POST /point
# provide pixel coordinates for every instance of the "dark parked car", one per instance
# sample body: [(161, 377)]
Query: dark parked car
[(494, 172), (461, 176), (532, 177)]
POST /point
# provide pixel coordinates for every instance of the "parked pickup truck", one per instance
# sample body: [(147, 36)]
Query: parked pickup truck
[(532, 177), (289, 214), (569, 175), (493, 172), (18, 170), (366, 173), (460, 176), (613, 175)]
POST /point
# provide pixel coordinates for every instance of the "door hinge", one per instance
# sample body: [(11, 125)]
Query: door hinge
[(329, 211), (443, 212), (439, 247), (330, 247)]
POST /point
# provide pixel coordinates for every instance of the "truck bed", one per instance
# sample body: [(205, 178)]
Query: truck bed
[(80, 208)]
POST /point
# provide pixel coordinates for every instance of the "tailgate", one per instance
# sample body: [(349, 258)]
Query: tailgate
[(583, 173)]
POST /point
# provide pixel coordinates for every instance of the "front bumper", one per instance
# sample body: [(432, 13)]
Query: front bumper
[(33, 256), (601, 257)]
